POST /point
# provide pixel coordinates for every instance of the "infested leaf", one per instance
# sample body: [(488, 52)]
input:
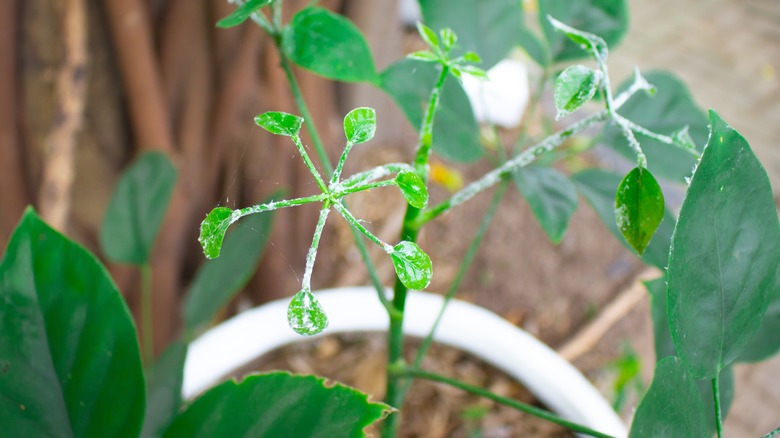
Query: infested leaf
[(360, 125), (413, 188), (213, 229), (639, 208), (305, 314), (412, 265), (280, 123), (574, 87)]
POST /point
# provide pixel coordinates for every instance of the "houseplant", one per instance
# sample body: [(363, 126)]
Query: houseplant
[(727, 167)]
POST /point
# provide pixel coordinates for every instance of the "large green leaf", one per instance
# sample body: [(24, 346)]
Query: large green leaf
[(672, 406), (218, 280), (278, 404), (163, 390), (670, 109), (664, 346), (639, 208), (329, 45), (552, 197), (766, 342), (489, 28), (599, 188), (137, 208), (69, 358), (725, 253), (455, 131), (605, 18)]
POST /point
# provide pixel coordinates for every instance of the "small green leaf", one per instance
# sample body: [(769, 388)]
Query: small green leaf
[(424, 56), (672, 406), (242, 13), (448, 38), (69, 359), (474, 71), (608, 19), (137, 208), (412, 265), (329, 45), (472, 57), (305, 314), (683, 138), (213, 229), (360, 125), (591, 43), (552, 197), (574, 87), (413, 188), (639, 208), (280, 123), (163, 390), (725, 254), (428, 35), (278, 404)]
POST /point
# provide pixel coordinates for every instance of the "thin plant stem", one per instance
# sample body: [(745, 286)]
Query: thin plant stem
[(356, 224), (311, 256), (147, 319), (426, 130), (522, 407), (718, 413), (309, 164), (772, 433)]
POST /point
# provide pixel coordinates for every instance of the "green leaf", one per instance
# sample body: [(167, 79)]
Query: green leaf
[(163, 390), (574, 87), (137, 209), (280, 123), (455, 131), (424, 56), (213, 229), (490, 28), (672, 406), (69, 358), (671, 109), (599, 188), (218, 281), (242, 13), (329, 45), (428, 35), (278, 404), (608, 19), (588, 42), (305, 314), (552, 197), (360, 125), (413, 188), (639, 208), (474, 71), (725, 253), (449, 38), (412, 265), (766, 342), (664, 346)]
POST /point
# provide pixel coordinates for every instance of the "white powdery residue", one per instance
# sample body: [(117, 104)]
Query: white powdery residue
[(388, 248), (621, 218)]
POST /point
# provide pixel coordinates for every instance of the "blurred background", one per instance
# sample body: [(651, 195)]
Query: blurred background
[(88, 85)]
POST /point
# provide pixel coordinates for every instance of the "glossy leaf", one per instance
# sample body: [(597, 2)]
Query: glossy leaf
[(552, 197), (599, 188), (608, 19), (163, 390), (428, 35), (671, 109), (279, 123), (69, 358), (413, 188), (489, 28), (639, 208), (243, 12), (672, 406), (305, 314), (329, 45), (455, 131), (424, 56), (278, 404), (137, 208), (574, 87), (360, 125), (725, 253), (664, 346), (213, 229), (412, 265), (766, 342), (218, 281)]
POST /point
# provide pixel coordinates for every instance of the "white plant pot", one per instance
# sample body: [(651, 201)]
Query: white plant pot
[(465, 326)]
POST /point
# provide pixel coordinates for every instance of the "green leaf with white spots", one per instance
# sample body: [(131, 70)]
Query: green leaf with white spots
[(574, 87), (360, 125), (280, 123), (213, 229), (605, 19), (639, 208), (413, 188), (591, 43), (305, 314), (412, 265), (242, 13)]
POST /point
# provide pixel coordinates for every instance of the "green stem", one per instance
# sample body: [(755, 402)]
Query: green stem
[(311, 256), (364, 187), (147, 326), (309, 164), (426, 130), (522, 407), (718, 413), (772, 433), (356, 224), (270, 206)]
